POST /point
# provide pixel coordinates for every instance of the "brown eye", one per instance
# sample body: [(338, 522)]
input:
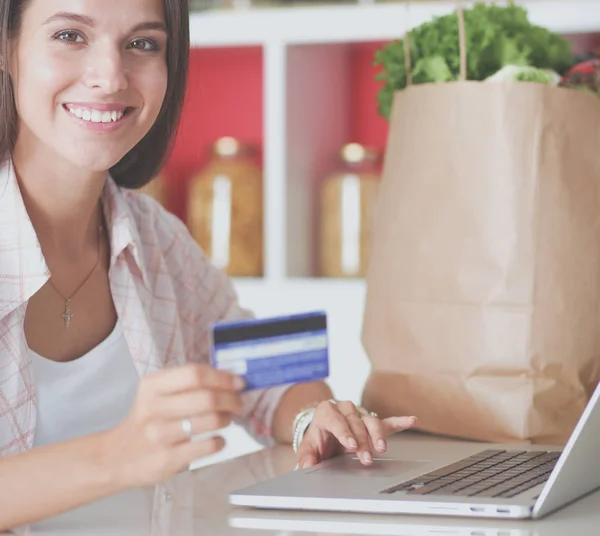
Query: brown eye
[(69, 37), (145, 45)]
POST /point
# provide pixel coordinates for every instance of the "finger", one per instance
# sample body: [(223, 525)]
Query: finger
[(189, 451), (308, 456), (397, 424), (173, 432), (346, 407), (363, 439), (183, 405), (377, 432), (193, 376)]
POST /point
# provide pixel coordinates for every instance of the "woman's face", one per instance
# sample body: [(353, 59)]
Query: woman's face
[(89, 77)]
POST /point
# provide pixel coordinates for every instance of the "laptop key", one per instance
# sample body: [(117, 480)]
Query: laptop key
[(424, 490)]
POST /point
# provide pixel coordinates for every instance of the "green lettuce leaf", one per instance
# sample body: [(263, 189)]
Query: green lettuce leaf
[(432, 69)]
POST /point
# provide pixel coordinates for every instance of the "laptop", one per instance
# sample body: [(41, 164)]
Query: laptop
[(447, 478)]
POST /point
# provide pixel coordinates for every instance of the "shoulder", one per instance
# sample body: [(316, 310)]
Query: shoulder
[(163, 238)]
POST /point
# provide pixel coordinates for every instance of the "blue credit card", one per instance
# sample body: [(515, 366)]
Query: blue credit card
[(273, 351)]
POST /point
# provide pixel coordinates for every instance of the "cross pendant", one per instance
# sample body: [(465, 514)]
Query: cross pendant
[(67, 315)]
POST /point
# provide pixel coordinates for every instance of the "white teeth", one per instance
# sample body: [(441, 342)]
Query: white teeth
[(96, 116)]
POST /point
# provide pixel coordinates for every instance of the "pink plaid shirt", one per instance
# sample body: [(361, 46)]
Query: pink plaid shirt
[(165, 290)]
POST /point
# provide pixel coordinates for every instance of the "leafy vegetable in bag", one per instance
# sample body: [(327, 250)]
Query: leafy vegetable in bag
[(524, 73), (496, 36)]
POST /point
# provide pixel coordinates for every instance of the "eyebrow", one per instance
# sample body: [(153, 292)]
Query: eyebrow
[(84, 19)]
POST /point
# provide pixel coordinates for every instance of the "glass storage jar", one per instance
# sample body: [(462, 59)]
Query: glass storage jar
[(225, 209), (347, 201)]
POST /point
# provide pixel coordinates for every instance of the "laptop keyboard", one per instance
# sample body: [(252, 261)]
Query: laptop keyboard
[(490, 473)]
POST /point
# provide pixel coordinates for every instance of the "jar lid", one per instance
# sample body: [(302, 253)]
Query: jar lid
[(226, 146), (355, 153)]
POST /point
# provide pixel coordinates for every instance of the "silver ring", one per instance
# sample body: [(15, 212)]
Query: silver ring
[(186, 426), (371, 414)]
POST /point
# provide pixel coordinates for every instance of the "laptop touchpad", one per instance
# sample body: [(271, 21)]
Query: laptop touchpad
[(381, 468)]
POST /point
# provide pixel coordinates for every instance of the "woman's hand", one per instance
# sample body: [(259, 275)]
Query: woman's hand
[(340, 427), (154, 442)]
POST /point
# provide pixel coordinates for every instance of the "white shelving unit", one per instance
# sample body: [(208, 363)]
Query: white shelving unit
[(305, 59), (364, 22)]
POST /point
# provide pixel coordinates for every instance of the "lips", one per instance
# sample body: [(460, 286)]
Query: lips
[(108, 114)]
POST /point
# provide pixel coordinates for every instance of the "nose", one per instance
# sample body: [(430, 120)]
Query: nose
[(106, 72)]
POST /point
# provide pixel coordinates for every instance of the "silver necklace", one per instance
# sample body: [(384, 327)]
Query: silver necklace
[(68, 315)]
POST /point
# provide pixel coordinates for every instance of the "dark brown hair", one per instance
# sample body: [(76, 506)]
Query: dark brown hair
[(144, 161)]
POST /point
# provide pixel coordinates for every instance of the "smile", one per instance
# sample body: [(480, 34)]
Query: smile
[(93, 115)]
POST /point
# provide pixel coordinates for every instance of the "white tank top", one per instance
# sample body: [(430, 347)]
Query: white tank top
[(90, 394)]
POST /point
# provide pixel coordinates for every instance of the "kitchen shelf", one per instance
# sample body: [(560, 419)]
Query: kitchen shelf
[(363, 22)]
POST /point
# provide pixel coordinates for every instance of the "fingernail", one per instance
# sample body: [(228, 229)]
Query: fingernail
[(367, 457), (352, 443), (306, 464), (381, 445)]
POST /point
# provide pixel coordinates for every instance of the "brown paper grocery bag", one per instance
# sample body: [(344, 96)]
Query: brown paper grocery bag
[(483, 290)]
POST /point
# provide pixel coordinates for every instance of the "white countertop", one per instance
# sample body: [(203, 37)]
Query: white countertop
[(201, 508)]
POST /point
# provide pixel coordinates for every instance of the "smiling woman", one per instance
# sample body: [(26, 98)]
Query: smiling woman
[(66, 54), (105, 299)]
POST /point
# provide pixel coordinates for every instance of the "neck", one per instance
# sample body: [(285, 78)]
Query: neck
[(63, 202)]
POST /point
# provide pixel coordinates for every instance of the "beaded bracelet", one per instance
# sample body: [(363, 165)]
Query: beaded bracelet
[(301, 424)]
